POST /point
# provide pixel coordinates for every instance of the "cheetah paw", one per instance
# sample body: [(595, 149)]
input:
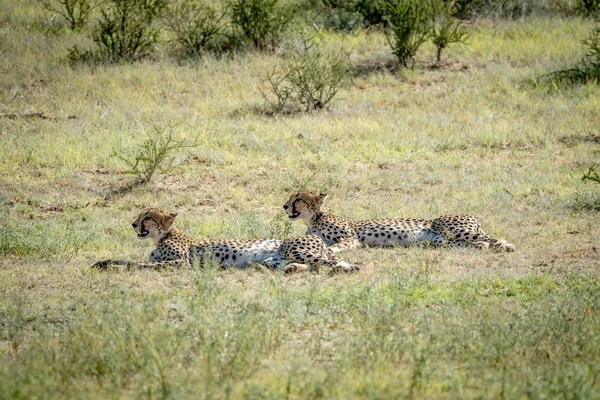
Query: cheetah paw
[(503, 245), (343, 266), (294, 268)]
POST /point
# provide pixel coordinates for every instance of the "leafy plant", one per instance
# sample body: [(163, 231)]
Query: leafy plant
[(309, 78), (585, 71), (127, 28), (408, 28), (260, 21), (585, 8), (445, 28), (194, 24), (155, 154), (591, 175), (346, 15), (75, 12)]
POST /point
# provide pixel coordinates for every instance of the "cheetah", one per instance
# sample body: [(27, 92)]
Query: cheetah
[(174, 249), (340, 234)]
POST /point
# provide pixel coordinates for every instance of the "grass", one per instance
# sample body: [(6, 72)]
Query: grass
[(472, 136)]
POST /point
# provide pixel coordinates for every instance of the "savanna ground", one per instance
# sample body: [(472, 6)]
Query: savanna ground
[(473, 136)]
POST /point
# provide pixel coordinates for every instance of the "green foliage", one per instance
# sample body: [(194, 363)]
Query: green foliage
[(309, 78), (155, 154), (586, 71), (591, 175), (127, 29), (509, 9), (346, 15), (262, 22), (408, 27), (585, 8), (445, 27), (75, 12), (588, 7), (194, 24)]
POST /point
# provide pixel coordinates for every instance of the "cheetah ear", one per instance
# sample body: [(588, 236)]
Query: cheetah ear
[(320, 198), (169, 219)]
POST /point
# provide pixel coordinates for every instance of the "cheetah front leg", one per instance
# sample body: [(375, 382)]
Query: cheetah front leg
[(345, 244)]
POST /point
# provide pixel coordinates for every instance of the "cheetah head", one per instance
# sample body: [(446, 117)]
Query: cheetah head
[(304, 204), (153, 223)]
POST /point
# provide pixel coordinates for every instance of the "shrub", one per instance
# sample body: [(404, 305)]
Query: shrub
[(260, 21), (127, 28), (586, 71), (309, 78), (586, 8), (155, 154), (408, 27), (511, 9), (445, 28), (373, 11), (75, 12), (346, 15), (194, 24)]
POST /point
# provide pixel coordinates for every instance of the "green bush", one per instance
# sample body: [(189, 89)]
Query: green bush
[(127, 29), (445, 27), (585, 71), (510, 9), (194, 24), (262, 22), (347, 15), (155, 154), (409, 27), (585, 8), (309, 78), (75, 12)]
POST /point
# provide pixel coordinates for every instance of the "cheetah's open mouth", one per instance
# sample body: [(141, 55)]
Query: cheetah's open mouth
[(143, 235), (294, 215)]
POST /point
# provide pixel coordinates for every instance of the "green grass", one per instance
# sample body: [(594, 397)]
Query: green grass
[(473, 136)]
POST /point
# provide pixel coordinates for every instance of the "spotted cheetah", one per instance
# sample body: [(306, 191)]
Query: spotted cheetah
[(173, 249), (340, 233)]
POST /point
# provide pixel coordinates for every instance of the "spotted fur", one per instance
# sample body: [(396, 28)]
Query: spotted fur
[(451, 230), (173, 248)]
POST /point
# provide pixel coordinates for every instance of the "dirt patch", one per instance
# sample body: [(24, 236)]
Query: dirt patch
[(573, 140)]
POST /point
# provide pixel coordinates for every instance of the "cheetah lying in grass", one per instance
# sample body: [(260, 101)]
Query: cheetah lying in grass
[(340, 233), (173, 249)]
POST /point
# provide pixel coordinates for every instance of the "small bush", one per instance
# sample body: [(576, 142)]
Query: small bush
[(445, 28), (127, 29), (262, 22), (309, 78), (75, 12), (347, 15), (509, 9), (194, 24), (155, 154), (586, 71), (373, 11), (408, 27), (585, 8)]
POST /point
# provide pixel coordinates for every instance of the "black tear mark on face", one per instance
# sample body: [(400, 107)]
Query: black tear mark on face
[(143, 231), (295, 213)]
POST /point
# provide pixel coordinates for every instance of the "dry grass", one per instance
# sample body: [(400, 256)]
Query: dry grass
[(473, 136)]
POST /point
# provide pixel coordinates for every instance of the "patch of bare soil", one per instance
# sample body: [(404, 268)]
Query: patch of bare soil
[(573, 140)]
